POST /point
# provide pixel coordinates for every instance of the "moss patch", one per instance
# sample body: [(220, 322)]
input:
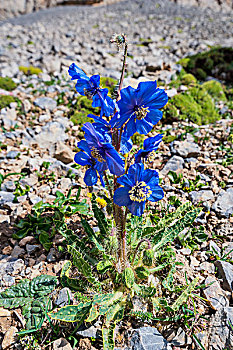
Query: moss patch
[(188, 79), (5, 101), (30, 70), (7, 84), (215, 89), (216, 62), (195, 105)]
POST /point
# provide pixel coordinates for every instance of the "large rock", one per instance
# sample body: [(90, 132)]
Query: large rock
[(45, 103), (50, 134), (203, 195), (185, 149), (226, 272), (224, 203), (9, 338), (148, 338), (63, 153), (174, 164), (214, 294), (221, 335)]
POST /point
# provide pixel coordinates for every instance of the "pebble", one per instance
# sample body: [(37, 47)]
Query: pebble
[(45, 103), (214, 293), (174, 164), (226, 271), (224, 203)]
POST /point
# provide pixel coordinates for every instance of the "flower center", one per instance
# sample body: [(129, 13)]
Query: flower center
[(96, 154), (140, 192), (89, 93), (141, 112)]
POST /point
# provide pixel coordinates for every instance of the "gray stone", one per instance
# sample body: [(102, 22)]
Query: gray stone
[(31, 248), (180, 338), (214, 294), (226, 272), (63, 153), (215, 249), (221, 335), (17, 251), (51, 133), (174, 164), (202, 195), (185, 149), (224, 203), (44, 118), (61, 344), (6, 197), (51, 257), (64, 297), (148, 338), (9, 186), (45, 103)]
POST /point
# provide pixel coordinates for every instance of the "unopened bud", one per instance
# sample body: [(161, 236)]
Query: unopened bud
[(118, 39)]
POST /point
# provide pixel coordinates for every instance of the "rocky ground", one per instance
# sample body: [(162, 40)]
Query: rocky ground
[(38, 142)]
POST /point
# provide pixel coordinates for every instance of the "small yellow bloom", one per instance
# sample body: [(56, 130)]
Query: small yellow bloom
[(102, 202), (89, 195)]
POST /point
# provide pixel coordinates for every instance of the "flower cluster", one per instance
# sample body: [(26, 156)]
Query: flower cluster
[(108, 139)]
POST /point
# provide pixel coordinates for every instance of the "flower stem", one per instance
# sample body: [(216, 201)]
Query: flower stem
[(122, 70)]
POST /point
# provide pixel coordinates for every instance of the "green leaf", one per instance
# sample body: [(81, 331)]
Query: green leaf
[(129, 277), (66, 281), (91, 235), (100, 217), (104, 266), (45, 240), (71, 313), (148, 256), (142, 272), (108, 341), (93, 314), (185, 295), (83, 267), (114, 313)]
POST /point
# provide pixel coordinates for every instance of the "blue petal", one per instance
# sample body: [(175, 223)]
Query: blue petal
[(83, 145), (157, 100), (157, 194), (90, 177), (81, 85), (130, 127), (139, 155), (135, 172), (76, 73), (151, 177), (144, 91), (82, 158), (126, 145), (101, 179), (121, 197), (137, 208), (154, 116), (125, 181), (93, 138), (143, 126), (95, 80), (152, 142), (115, 162)]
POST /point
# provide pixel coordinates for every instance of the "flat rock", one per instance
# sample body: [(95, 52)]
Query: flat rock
[(64, 297), (6, 197), (214, 293), (9, 338), (224, 203), (61, 344), (226, 271), (63, 153), (45, 103), (5, 320), (50, 134), (185, 149), (203, 195), (221, 335), (174, 164), (148, 338)]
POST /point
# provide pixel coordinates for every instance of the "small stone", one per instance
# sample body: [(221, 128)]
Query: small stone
[(64, 297), (65, 183), (180, 338), (185, 251), (31, 248), (34, 199), (224, 203), (226, 272), (4, 218), (61, 344), (44, 118), (26, 106), (206, 267), (45, 103), (7, 250), (185, 149), (63, 153), (220, 331), (203, 195), (214, 293), (51, 257), (215, 249), (26, 240), (174, 164), (17, 251), (5, 320), (6, 197), (148, 338), (12, 154), (9, 338)]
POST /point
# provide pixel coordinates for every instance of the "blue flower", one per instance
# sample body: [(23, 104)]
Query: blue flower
[(107, 130), (150, 145), (140, 186), (103, 151), (90, 87), (84, 157), (139, 108)]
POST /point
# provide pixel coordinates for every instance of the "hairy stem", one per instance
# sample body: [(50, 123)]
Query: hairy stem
[(122, 70)]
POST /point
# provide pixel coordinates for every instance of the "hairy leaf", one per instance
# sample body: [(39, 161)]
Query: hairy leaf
[(108, 341), (129, 277), (71, 313), (185, 295)]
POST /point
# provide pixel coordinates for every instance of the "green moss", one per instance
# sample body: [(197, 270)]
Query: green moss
[(30, 70), (215, 89), (138, 139), (188, 79), (5, 100), (195, 105), (216, 62), (169, 138), (7, 84), (109, 83)]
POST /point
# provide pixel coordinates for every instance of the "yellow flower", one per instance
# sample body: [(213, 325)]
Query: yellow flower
[(89, 195), (102, 202)]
